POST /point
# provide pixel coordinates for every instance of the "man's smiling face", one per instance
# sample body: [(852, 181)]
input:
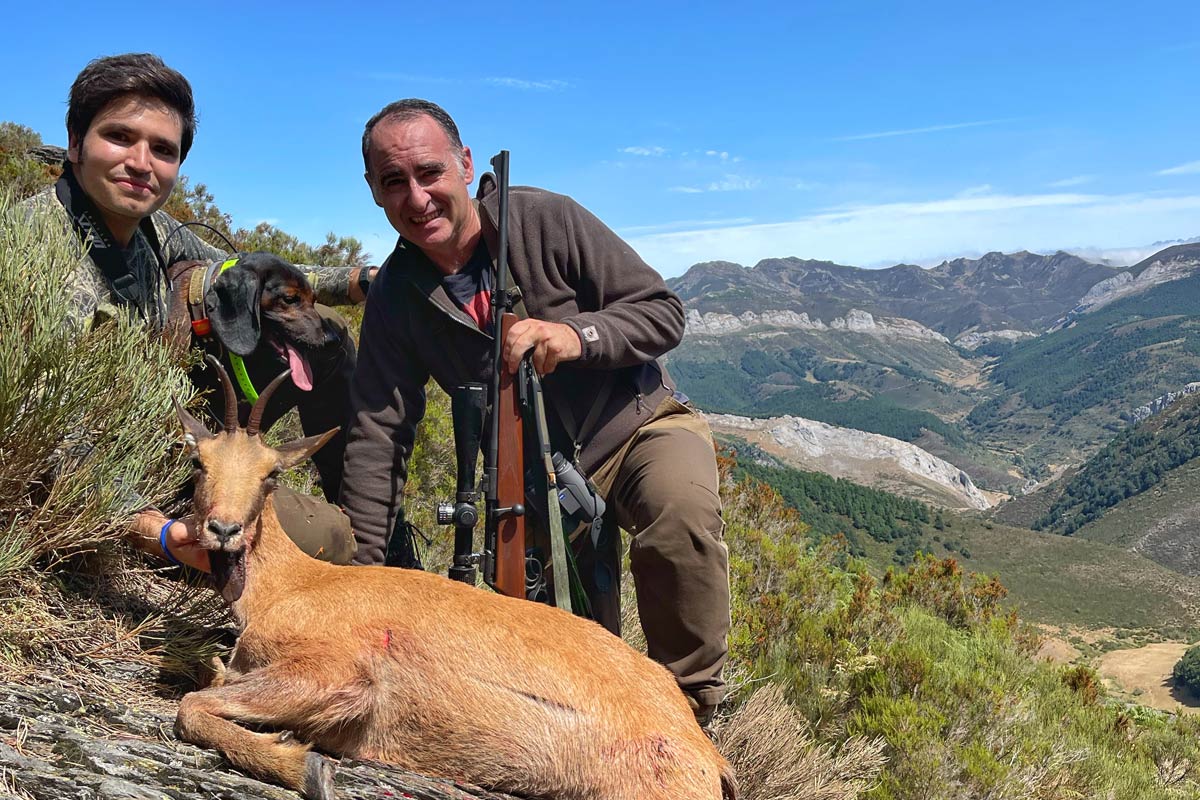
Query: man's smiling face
[(128, 161), (420, 181)]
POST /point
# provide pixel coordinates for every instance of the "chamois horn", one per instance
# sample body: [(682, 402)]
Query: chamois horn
[(231, 402), (261, 406)]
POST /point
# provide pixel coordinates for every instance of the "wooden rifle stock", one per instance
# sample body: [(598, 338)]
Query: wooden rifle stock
[(504, 465), (510, 480)]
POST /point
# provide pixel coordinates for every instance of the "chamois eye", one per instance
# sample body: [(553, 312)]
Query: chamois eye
[(197, 464), (273, 476)]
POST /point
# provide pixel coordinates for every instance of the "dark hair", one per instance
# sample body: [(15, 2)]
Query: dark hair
[(407, 110), (142, 74)]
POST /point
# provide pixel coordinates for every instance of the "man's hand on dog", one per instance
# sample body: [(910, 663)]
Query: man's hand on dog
[(550, 344)]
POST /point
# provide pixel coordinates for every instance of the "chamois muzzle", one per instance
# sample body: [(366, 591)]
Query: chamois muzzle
[(226, 540)]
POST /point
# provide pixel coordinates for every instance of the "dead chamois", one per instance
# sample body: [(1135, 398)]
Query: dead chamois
[(413, 669)]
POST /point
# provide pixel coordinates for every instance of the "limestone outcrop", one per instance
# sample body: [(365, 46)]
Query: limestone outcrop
[(715, 323), (867, 458)]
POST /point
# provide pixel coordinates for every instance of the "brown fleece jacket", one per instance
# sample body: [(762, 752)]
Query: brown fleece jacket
[(572, 269)]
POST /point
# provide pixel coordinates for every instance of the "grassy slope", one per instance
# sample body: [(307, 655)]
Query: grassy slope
[(1071, 581), (1067, 581), (1162, 524)]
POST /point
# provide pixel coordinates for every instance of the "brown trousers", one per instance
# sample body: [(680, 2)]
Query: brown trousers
[(662, 488), (317, 527)]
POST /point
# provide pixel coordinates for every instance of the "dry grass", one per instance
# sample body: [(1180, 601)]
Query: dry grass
[(775, 757)]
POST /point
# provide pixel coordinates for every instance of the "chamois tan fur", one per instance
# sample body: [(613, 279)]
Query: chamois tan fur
[(416, 670)]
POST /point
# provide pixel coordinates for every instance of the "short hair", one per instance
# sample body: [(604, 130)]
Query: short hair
[(409, 109), (106, 79)]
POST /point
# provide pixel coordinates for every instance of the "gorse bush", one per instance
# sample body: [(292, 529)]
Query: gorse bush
[(85, 418)]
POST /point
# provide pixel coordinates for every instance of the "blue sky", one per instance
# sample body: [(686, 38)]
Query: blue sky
[(867, 133)]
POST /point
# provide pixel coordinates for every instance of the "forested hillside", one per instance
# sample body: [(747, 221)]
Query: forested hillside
[(774, 383), (1133, 462), (1063, 395), (838, 507)]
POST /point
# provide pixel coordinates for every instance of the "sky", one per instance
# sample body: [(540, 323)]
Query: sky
[(866, 133)]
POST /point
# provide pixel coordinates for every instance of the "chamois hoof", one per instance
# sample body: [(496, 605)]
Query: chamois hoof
[(318, 777)]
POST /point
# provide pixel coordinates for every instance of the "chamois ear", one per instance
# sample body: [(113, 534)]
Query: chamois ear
[(194, 431), (232, 306), (293, 453)]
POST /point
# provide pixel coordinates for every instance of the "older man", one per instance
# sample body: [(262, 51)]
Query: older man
[(598, 320)]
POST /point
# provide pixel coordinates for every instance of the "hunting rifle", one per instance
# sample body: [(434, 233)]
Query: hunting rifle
[(510, 566)]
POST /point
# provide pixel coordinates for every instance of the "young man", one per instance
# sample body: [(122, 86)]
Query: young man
[(130, 124), (598, 319)]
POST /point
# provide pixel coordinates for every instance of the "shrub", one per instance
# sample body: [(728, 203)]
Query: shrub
[(85, 420), (1187, 670)]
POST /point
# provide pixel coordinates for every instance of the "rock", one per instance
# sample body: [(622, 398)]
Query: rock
[(1161, 402), (57, 742), (718, 324), (973, 339), (868, 458), (1163, 269)]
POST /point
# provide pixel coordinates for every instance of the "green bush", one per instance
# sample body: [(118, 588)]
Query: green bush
[(85, 419), (23, 175), (1187, 670)]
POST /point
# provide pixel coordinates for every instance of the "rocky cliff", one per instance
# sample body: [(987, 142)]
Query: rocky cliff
[(715, 323), (866, 458), (1171, 264)]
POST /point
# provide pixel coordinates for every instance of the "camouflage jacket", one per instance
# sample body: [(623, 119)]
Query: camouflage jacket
[(91, 299)]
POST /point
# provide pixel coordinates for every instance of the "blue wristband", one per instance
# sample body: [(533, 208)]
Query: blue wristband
[(162, 540)]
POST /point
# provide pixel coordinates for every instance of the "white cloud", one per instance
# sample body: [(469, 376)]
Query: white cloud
[(729, 183), (1076, 180), (538, 86), (916, 232), (734, 183), (1190, 168), (684, 223), (644, 151), (914, 131), (976, 191)]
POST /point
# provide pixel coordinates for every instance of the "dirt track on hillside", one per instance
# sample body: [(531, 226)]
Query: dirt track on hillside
[(1149, 669)]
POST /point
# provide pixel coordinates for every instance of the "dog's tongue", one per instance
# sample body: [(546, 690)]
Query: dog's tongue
[(301, 371)]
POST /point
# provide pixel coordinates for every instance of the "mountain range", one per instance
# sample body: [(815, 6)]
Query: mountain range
[(1018, 291), (1012, 367)]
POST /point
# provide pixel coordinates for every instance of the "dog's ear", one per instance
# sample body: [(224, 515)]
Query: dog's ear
[(232, 306)]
